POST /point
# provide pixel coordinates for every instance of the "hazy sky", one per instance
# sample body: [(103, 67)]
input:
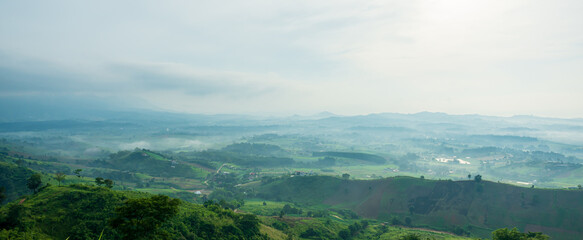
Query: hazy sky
[(347, 57)]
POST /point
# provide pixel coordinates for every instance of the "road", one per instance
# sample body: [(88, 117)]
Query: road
[(218, 170)]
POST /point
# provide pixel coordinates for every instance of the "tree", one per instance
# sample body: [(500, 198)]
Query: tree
[(78, 172), (2, 195), (346, 176), (364, 224), (536, 235), (287, 209), (383, 229), (505, 234), (14, 216), (108, 183), (249, 225), (478, 178), (469, 176), (408, 221), (410, 236), (514, 234), (60, 177), (344, 234), (99, 181), (354, 228), (141, 218), (395, 221), (311, 233), (34, 182)]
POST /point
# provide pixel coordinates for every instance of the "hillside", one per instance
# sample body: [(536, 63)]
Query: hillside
[(149, 162), (455, 206), (13, 178), (86, 212)]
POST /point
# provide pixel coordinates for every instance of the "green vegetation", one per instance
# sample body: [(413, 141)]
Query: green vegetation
[(242, 159), (60, 177), (255, 149), (462, 207), (13, 179), (85, 212), (514, 234), (367, 177), (148, 162), (353, 155), (141, 218), (34, 182)]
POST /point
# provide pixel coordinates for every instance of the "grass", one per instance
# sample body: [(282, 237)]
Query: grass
[(159, 190), (155, 156), (399, 232), (272, 233), (256, 207)]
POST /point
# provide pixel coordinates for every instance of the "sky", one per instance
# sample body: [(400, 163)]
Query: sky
[(498, 58)]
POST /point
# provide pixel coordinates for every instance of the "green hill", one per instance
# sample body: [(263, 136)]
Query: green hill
[(460, 206), (86, 212), (241, 158), (13, 179), (370, 158), (151, 163)]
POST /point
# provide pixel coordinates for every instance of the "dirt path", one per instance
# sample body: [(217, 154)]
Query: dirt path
[(218, 170), (336, 216)]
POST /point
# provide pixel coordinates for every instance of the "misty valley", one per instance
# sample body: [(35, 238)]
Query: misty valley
[(378, 176), (291, 120)]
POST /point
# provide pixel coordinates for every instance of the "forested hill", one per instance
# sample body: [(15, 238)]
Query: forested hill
[(13, 179), (473, 206), (88, 212)]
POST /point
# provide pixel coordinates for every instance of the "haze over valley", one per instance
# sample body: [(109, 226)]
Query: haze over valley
[(300, 120)]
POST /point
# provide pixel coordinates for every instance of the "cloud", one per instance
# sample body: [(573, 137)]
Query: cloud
[(134, 145), (199, 82), (21, 75), (181, 87), (43, 77), (350, 57)]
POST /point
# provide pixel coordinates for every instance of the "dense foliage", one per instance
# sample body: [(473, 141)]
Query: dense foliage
[(141, 218), (514, 234), (86, 212), (13, 179), (353, 155)]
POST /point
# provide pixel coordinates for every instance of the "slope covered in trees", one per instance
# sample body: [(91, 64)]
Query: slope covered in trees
[(88, 212), (13, 180)]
